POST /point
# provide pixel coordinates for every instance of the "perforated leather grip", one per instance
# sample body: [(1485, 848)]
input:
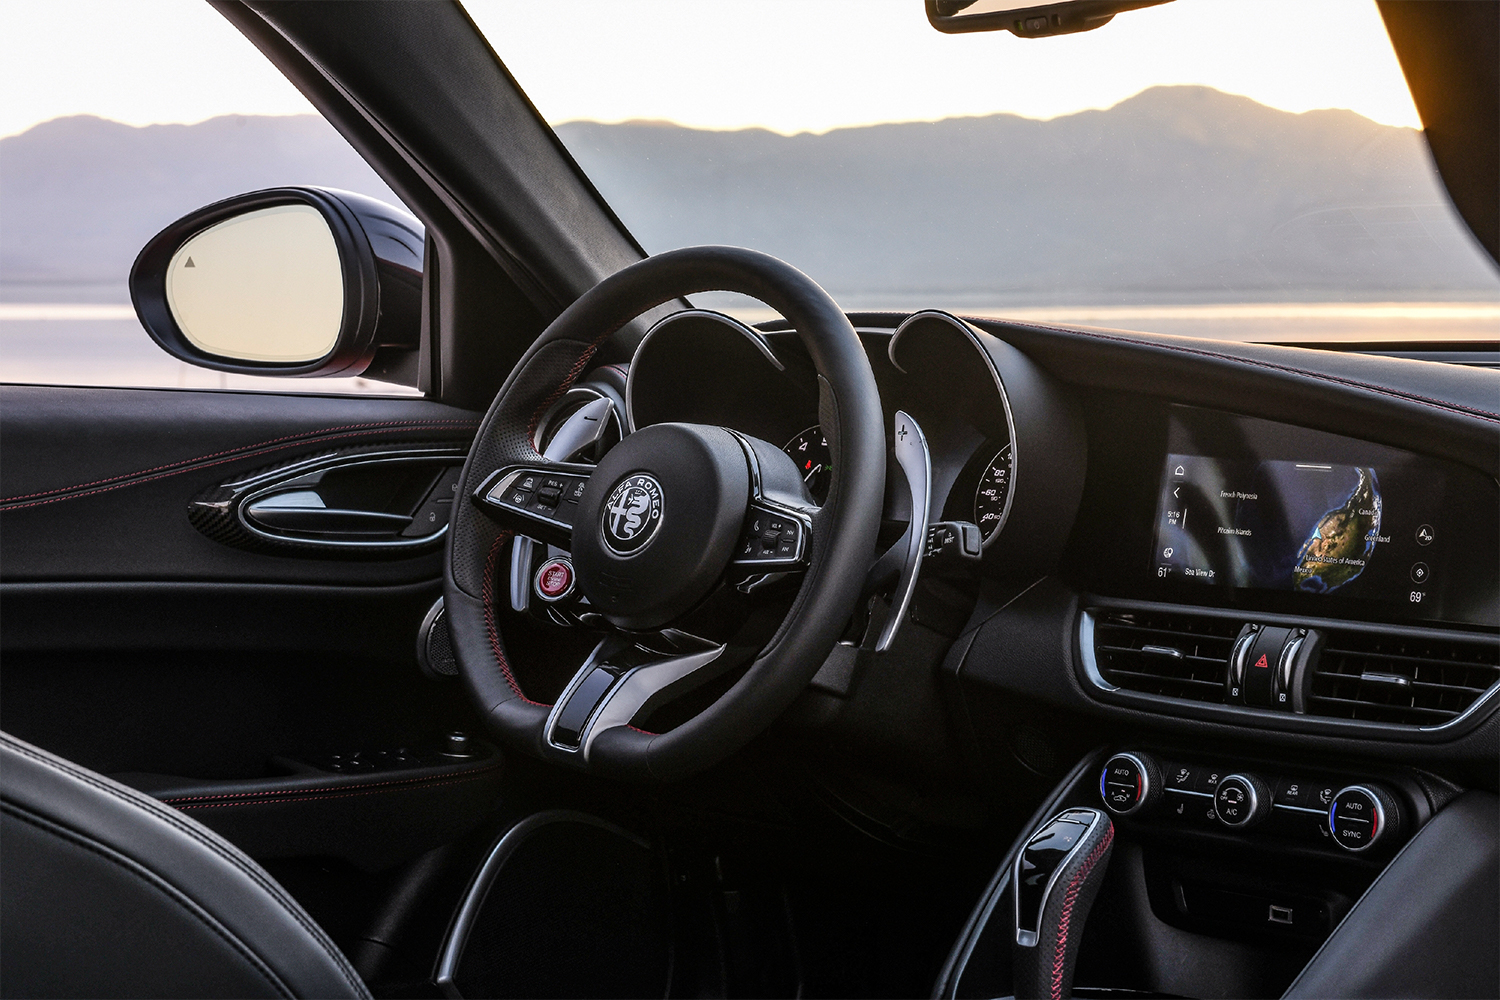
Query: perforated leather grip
[(1056, 878)]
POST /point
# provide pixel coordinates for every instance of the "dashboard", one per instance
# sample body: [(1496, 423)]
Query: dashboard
[(1181, 503), (1258, 605), (1204, 563)]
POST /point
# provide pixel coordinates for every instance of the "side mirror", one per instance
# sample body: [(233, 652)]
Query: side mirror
[(297, 281), (1027, 18)]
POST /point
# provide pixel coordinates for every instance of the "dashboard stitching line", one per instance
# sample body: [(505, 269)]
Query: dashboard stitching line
[(226, 451), (1273, 366), (201, 462), (316, 798), (301, 791), (489, 619)]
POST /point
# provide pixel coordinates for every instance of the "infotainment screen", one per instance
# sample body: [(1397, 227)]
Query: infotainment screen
[(1247, 503)]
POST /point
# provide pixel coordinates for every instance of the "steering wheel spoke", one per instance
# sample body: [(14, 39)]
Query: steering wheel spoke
[(623, 680), (538, 501)]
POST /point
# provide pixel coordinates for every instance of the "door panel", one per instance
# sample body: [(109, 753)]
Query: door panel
[(95, 483), (135, 642)]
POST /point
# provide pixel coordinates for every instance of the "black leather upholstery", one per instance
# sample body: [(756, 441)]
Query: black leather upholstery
[(108, 893), (1430, 924)]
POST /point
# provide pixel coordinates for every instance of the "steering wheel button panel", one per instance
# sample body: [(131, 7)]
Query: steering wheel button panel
[(771, 539), (531, 501)]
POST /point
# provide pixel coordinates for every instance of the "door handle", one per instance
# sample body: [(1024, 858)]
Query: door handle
[(326, 520)]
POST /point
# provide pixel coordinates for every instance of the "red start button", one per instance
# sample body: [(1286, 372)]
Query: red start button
[(554, 580)]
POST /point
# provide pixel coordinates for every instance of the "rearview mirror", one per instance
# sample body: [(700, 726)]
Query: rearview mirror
[(288, 281), (1026, 19)]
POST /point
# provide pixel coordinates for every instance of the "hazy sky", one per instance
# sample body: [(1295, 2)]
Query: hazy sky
[(789, 65)]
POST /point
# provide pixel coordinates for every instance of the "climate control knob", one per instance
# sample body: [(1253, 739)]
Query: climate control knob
[(1361, 815), (1129, 783), (1241, 801)]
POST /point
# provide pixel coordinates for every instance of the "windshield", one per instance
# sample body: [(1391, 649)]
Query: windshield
[(1194, 168)]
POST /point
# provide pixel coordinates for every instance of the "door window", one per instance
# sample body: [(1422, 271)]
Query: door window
[(118, 120)]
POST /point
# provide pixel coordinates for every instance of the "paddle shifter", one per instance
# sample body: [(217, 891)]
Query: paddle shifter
[(1056, 878)]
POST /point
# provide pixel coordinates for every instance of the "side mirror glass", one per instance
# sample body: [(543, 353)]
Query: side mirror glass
[(1027, 18), (287, 281), (263, 286)]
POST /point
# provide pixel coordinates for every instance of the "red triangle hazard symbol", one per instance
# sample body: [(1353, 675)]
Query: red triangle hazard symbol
[(1262, 661)]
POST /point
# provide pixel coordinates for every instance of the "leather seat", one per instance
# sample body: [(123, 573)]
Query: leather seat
[(105, 892)]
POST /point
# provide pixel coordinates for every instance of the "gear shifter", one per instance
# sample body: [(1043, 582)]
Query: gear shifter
[(1056, 878)]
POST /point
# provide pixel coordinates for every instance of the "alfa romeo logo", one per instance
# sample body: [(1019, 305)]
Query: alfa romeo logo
[(632, 513)]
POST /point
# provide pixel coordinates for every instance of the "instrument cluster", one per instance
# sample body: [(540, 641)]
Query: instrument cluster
[(952, 379)]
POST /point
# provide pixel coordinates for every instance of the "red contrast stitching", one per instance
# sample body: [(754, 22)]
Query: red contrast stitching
[(316, 798), (328, 788), (1059, 956), (643, 732), (203, 461), (564, 385), (489, 619)]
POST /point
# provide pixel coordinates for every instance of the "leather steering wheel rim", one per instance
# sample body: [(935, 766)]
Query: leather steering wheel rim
[(843, 536)]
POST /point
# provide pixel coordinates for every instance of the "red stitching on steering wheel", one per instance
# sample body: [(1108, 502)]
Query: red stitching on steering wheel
[(489, 619), (564, 386)]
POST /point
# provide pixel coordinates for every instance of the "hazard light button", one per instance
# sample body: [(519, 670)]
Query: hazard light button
[(1263, 657)]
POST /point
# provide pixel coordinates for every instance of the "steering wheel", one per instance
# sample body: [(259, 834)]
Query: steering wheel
[(660, 529)]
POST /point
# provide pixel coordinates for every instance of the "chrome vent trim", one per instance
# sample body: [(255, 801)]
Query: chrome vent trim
[(1401, 680), (1174, 655)]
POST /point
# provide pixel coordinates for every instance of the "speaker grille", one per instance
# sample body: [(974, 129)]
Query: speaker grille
[(435, 644)]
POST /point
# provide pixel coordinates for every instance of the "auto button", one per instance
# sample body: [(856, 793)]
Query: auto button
[(1129, 783), (1359, 816)]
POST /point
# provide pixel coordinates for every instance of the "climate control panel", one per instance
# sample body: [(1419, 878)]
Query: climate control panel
[(1348, 814)]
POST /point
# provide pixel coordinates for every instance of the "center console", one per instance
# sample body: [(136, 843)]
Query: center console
[(1229, 874)]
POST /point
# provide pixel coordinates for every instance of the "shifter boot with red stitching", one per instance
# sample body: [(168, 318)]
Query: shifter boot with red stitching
[(1056, 878)]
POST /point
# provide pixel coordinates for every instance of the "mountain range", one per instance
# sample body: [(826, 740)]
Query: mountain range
[(1177, 192)]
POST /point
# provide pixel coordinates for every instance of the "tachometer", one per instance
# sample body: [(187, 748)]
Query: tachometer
[(810, 451), (992, 495)]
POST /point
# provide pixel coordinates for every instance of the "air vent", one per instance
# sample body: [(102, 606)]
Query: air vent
[(1400, 679), (1178, 655)]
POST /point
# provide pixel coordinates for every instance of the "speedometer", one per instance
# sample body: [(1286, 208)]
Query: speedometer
[(992, 495), (810, 451)]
